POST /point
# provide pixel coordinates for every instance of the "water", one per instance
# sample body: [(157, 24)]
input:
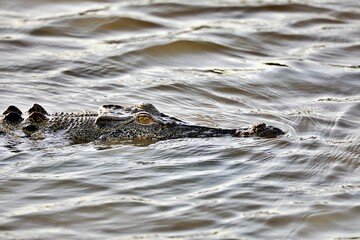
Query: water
[(292, 64)]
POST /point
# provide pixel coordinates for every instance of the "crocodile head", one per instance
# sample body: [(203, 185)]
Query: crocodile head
[(144, 121)]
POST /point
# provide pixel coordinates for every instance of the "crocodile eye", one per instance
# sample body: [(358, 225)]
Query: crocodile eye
[(144, 119)]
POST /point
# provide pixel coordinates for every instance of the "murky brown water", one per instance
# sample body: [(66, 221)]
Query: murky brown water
[(292, 64)]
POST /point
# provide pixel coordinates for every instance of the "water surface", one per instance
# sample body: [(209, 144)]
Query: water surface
[(292, 64)]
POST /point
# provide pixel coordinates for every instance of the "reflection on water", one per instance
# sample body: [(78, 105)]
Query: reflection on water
[(292, 64)]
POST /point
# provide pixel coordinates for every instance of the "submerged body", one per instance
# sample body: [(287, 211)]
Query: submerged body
[(115, 122)]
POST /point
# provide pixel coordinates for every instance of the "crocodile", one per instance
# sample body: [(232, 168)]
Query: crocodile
[(115, 122)]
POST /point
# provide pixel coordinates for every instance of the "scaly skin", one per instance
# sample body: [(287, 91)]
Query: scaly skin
[(115, 122)]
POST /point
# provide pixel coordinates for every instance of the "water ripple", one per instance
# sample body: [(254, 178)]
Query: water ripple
[(219, 63)]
